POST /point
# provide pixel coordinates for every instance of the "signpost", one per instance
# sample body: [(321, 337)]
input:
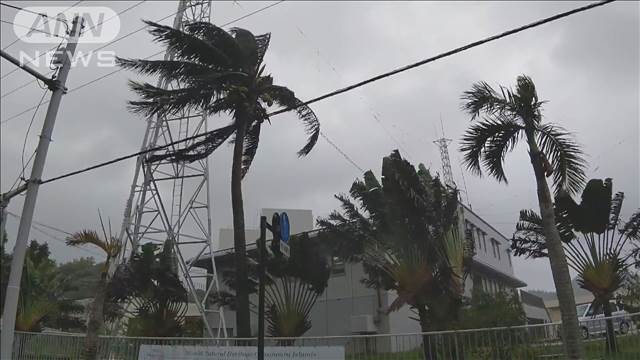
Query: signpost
[(279, 227)]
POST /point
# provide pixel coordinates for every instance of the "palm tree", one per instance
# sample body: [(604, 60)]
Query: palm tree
[(219, 72), (404, 230), (509, 116), (111, 248), (600, 255)]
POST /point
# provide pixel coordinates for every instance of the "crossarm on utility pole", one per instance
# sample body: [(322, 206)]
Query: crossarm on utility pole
[(50, 82)]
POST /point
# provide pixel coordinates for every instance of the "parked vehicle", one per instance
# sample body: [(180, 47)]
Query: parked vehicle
[(594, 324)]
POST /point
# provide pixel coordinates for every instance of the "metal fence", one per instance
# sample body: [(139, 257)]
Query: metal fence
[(520, 342)]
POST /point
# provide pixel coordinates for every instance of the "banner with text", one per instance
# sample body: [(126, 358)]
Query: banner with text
[(178, 352)]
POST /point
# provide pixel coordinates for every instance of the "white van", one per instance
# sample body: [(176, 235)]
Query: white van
[(592, 324)]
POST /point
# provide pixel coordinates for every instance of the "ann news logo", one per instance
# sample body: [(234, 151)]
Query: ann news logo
[(51, 24)]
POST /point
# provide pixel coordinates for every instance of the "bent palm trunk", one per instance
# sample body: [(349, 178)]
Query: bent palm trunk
[(96, 315), (242, 287), (557, 258)]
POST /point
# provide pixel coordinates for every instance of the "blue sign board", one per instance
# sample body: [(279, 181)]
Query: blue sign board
[(284, 227)]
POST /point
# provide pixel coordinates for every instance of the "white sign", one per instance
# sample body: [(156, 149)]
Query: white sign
[(177, 352)]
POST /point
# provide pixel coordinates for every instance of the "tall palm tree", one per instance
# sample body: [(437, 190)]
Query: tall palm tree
[(511, 116), (111, 247), (600, 256), (219, 72)]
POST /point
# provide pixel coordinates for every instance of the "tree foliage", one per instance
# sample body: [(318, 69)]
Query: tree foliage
[(148, 288), (595, 241), (509, 114), (293, 285), (44, 300), (404, 229)]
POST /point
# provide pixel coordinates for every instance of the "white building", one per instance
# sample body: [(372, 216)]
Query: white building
[(348, 307)]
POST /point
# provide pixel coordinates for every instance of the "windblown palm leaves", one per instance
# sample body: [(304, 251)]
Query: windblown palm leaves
[(404, 230), (290, 301), (152, 292), (217, 72), (511, 116), (600, 254)]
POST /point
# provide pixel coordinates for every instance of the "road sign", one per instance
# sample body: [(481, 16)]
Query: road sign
[(284, 234)]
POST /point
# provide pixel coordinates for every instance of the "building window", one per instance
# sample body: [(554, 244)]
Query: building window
[(337, 266), (495, 245), (509, 257)]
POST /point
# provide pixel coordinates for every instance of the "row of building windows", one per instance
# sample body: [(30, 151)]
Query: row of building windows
[(489, 285), (480, 239)]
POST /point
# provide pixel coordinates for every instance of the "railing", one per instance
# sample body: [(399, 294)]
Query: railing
[(519, 342)]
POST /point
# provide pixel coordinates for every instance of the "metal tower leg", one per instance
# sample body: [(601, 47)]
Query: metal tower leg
[(170, 201)]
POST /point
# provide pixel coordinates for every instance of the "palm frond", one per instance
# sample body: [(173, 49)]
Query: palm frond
[(483, 98), (184, 72), (286, 98), (253, 47), (199, 149), (631, 229), (487, 142), (566, 157), (157, 101), (187, 46), (528, 240), (217, 37), (251, 140), (497, 147), (527, 96), (86, 237)]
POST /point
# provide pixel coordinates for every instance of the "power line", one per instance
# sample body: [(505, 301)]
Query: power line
[(43, 225), (148, 57), (53, 48), (445, 54), (31, 29), (26, 137), (348, 88), (374, 114), (114, 16), (349, 159), (36, 226)]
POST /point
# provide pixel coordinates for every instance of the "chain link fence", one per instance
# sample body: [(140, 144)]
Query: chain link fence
[(519, 342)]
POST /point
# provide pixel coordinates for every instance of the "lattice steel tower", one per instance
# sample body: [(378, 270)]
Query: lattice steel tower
[(443, 145), (170, 201)]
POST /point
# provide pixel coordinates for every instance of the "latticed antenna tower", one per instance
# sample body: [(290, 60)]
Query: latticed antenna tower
[(443, 145), (169, 202)]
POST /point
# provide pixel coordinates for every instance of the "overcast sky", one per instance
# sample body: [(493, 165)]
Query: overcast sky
[(586, 66)]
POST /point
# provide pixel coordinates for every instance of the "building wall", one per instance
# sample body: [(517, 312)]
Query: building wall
[(492, 248), (346, 296)]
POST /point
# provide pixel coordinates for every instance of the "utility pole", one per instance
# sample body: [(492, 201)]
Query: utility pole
[(17, 261), (262, 249)]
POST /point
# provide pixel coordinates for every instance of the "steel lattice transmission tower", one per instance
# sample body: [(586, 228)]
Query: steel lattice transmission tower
[(170, 201), (443, 145)]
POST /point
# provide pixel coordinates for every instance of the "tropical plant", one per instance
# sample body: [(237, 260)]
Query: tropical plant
[(111, 248), (42, 302), (404, 230), (600, 256), (149, 290), (219, 72), (511, 116), (291, 290)]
